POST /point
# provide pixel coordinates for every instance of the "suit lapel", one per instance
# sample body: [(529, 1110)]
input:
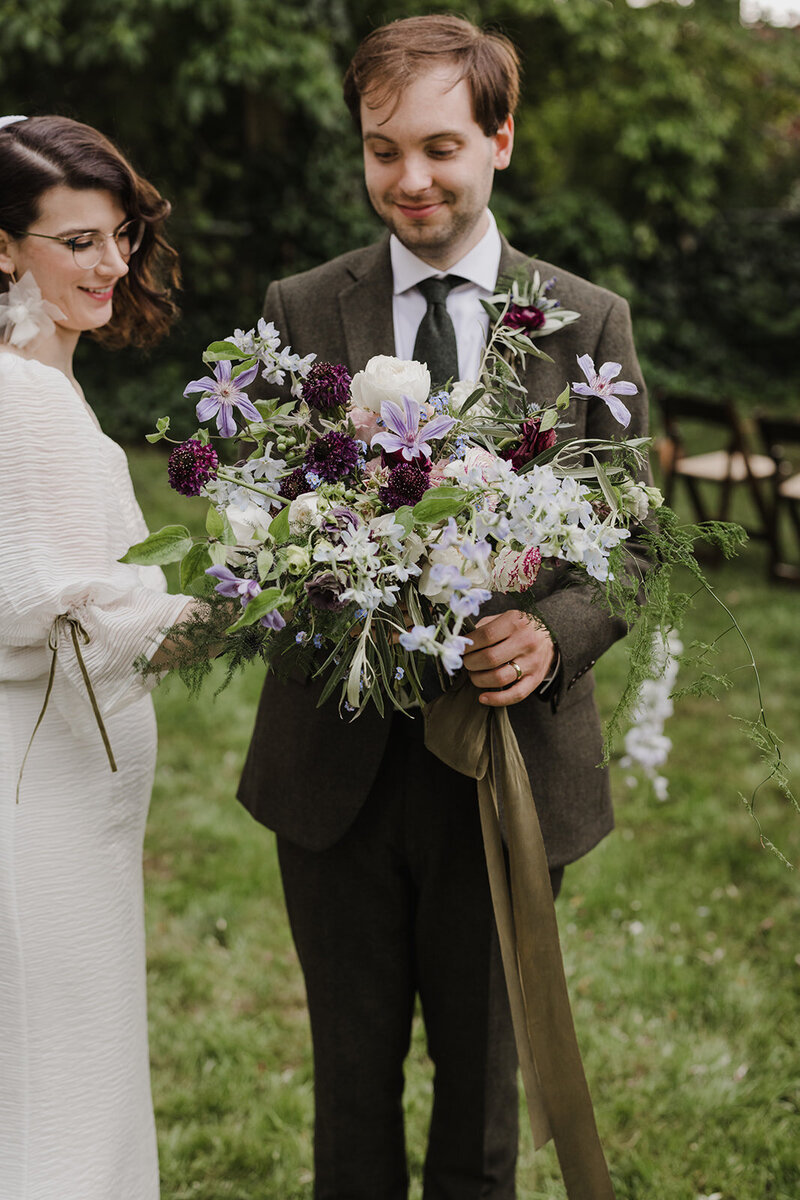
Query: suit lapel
[(365, 305), (510, 259)]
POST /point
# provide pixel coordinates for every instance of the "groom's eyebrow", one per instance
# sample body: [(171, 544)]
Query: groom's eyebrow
[(432, 137)]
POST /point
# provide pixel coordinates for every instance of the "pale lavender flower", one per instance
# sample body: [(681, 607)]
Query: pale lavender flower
[(477, 552), (419, 637), (601, 384), (232, 586), (452, 652), (404, 435), (223, 395), (468, 604), (447, 576), (273, 620)]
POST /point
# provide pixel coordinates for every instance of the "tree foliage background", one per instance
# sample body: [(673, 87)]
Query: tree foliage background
[(658, 153)]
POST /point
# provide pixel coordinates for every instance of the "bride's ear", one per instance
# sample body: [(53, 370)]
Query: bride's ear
[(6, 261)]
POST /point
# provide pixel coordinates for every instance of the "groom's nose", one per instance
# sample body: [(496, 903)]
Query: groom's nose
[(416, 174)]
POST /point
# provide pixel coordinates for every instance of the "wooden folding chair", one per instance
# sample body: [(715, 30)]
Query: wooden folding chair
[(729, 464), (781, 438)]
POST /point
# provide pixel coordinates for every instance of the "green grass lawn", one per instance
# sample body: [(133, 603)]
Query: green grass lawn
[(679, 935)]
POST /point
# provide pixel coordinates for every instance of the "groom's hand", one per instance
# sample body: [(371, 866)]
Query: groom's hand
[(497, 643)]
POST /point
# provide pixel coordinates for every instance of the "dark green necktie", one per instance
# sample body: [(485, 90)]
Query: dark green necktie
[(436, 338)]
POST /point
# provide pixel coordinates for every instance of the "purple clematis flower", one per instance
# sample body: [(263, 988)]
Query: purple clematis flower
[(601, 384), (273, 620), (223, 395), (232, 586), (403, 434)]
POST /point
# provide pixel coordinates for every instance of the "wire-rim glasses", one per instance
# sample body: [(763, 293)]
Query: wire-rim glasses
[(88, 248)]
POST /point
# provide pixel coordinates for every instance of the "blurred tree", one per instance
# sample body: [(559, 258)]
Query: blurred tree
[(657, 153)]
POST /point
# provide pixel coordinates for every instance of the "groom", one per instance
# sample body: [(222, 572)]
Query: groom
[(379, 843)]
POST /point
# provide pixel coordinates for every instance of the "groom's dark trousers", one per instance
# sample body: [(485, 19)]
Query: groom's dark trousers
[(379, 843)]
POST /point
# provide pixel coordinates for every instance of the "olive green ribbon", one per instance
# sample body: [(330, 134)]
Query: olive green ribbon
[(79, 635), (479, 742)]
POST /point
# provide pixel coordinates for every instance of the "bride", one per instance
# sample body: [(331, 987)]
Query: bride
[(81, 250)]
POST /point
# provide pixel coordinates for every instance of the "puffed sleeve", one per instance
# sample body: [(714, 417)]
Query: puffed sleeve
[(67, 514)]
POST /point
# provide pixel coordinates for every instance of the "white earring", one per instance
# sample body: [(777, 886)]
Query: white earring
[(25, 314)]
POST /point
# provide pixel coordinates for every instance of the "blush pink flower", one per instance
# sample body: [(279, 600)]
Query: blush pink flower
[(365, 423)]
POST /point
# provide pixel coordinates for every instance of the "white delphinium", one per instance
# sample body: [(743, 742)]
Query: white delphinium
[(646, 745), (264, 343)]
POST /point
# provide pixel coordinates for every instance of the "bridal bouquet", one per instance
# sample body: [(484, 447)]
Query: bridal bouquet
[(364, 521)]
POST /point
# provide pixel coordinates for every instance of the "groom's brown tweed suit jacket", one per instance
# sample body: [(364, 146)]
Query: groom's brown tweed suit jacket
[(307, 771)]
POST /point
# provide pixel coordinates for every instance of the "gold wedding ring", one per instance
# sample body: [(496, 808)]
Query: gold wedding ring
[(517, 668)]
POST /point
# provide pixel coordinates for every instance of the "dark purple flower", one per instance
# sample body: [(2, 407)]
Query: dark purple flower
[(294, 484), (223, 394), (324, 591), (339, 518), (190, 467), (530, 318), (327, 386), (332, 457), (406, 485), (531, 443)]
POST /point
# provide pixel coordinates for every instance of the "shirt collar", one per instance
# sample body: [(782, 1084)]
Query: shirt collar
[(479, 265)]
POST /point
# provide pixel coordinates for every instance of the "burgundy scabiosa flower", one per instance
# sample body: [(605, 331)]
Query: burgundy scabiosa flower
[(327, 386), (406, 484), (332, 457), (190, 467), (531, 443), (525, 318), (294, 484)]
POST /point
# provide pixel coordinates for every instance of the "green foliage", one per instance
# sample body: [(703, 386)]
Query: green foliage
[(657, 153), (166, 545)]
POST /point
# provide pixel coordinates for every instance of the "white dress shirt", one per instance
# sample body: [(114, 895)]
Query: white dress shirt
[(478, 267)]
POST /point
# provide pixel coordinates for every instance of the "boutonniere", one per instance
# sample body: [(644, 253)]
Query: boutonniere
[(521, 302), (521, 311)]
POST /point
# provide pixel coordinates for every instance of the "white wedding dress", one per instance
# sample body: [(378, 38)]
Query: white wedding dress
[(76, 1118)]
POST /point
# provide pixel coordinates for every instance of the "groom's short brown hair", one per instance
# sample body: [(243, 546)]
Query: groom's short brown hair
[(390, 58)]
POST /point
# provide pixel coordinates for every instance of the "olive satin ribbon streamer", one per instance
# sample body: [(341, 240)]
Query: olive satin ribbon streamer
[(479, 742), (76, 630)]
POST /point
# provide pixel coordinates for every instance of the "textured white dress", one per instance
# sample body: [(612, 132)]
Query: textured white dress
[(76, 1118)]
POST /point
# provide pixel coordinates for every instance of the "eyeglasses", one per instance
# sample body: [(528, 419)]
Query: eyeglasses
[(88, 248)]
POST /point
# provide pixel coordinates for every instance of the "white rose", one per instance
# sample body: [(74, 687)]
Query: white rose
[(304, 514), (249, 525), (389, 378)]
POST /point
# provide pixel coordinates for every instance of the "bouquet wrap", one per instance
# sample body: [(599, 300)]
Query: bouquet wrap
[(480, 742)]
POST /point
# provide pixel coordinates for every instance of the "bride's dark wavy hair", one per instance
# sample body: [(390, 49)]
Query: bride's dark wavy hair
[(44, 152)]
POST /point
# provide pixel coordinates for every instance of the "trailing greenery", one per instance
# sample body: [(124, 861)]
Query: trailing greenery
[(657, 153)]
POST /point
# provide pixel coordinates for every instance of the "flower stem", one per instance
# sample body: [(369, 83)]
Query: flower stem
[(252, 487)]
